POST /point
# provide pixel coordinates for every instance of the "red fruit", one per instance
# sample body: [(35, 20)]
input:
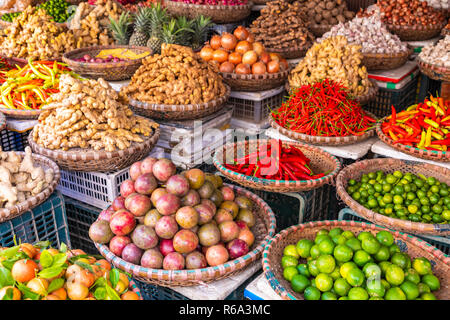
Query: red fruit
[(185, 241), (152, 259), (177, 185), (166, 227), (173, 261), (229, 230), (138, 204), (163, 169), (144, 237), (106, 214), (118, 203), (145, 184), (209, 204), (187, 217), (127, 188), (166, 246), (228, 193), (157, 194), (122, 223), (247, 236), (100, 232), (237, 248), (216, 255), (147, 165), (132, 254), (167, 204), (135, 170), (242, 225), (195, 260), (192, 198), (205, 213), (117, 244)]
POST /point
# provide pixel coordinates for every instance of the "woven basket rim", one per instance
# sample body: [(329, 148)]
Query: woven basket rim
[(290, 49), (22, 114), (319, 140), (247, 6), (401, 54), (414, 151), (180, 275), (440, 69), (72, 63), (79, 154), (255, 77), (134, 287), (280, 289), (169, 108), (292, 184), (2, 121), (20, 208), (25, 60), (366, 213), (415, 27)]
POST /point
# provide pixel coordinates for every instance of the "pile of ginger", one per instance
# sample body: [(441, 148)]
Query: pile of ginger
[(20, 178)]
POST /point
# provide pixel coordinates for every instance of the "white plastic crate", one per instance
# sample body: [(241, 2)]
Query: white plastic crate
[(94, 188), (249, 127), (255, 106)]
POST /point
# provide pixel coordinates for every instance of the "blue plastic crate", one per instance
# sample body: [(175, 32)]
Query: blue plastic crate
[(442, 243), (45, 222), (13, 141), (80, 217)]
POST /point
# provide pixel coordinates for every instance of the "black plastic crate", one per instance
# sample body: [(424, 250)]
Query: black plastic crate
[(13, 141), (46, 222), (428, 86), (80, 217), (399, 98), (355, 5)]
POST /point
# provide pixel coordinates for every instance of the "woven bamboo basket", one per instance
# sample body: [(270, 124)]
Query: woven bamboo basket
[(323, 141), (260, 2), (416, 32), (413, 246), (321, 161), (385, 61), (291, 52), (32, 202), (111, 71), (413, 151), (435, 72), (21, 114), (264, 229), (364, 99), (133, 287), (389, 165), (179, 112), (2, 121), (319, 30), (255, 82), (78, 159), (218, 13)]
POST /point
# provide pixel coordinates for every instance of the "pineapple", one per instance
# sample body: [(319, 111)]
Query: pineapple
[(170, 33), (201, 27), (121, 29), (184, 37), (158, 19), (141, 25)]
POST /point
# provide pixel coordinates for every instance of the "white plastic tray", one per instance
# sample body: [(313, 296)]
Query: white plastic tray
[(260, 289)]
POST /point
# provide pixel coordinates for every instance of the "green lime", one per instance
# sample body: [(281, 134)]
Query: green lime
[(314, 252), (361, 257), (375, 288), (422, 265), (303, 248), (354, 244), (391, 179), (410, 289), (364, 235), (312, 268), (336, 273), (320, 237), (370, 245), (385, 238), (326, 263), (347, 234), (395, 275), (385, 284), (397, 199), (323, 282), (311, 293), (383, 254), (401, 259), (335, 232), (303, 269), (355, 277), (423, 288), (372, 270), (299, 283), (431, 281), (289, 272), (338, 239), (412, 275), (341, 287), (343, 298), (358, 293), (346, 267), (326, 246), (393, 249), (343, 253), (328, 296), (290, 250), (288, 261), (395, 293), (428, 296)]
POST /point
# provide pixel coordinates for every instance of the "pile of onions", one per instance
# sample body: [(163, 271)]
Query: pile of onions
[(238, 52), (215, 2), (109, 58)]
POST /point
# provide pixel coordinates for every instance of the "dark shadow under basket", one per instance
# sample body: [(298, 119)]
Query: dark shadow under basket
[(88, 160), (255, 82), (416, 32), (414, 247), (385, 61), (110, 71), (389, 165), (435, 72), (323, 141), (179, 112), (413, 151), (321, 161), (291, 52), (319, 30), (34, 201), (264, 229), (218, 13)]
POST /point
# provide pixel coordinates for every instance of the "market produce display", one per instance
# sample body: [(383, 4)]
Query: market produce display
[(133, 6), (35, 35), (323, 109), (28, 88), (21, 178), (282, 27), (215, 2), (335, 59), (328, 13), (403, 195), (9, 17), (165, 220), (437, 54), (40, 272), (343, 265), (57, 9), (89, 114), (177, 76), (425, 125)]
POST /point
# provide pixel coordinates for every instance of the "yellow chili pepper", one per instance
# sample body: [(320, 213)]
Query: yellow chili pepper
[(437, 136), (431, 123), (437, 147), (393, 136), (428, 137), (422, 140)]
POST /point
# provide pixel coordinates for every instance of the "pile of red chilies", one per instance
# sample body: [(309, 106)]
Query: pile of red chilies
[(275, 163), (323, 109)]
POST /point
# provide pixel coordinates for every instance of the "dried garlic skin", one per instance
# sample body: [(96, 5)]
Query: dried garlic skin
[(437, 54)]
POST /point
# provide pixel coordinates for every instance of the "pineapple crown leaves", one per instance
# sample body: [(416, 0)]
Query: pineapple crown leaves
[(121, 29), (173, 33), (201, 27)]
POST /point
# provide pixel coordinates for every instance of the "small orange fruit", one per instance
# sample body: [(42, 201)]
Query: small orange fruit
[(24, 270), (129, 295)]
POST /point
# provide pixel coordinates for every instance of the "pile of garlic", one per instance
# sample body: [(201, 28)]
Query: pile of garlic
[(370, 33), (438, 54)]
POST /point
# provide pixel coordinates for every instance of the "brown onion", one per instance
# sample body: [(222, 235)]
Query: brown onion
[(243, 46), (220, 55), (258, 48), (215, 42), (226, 67), (264, 57), (241, 33), (235, 58), (259, 68), (228, 41), (242, 68), (206, 53), (250, 57), (273, 66)]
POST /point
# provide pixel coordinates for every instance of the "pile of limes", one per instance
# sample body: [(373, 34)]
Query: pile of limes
[(340, 265), (403, 196)]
